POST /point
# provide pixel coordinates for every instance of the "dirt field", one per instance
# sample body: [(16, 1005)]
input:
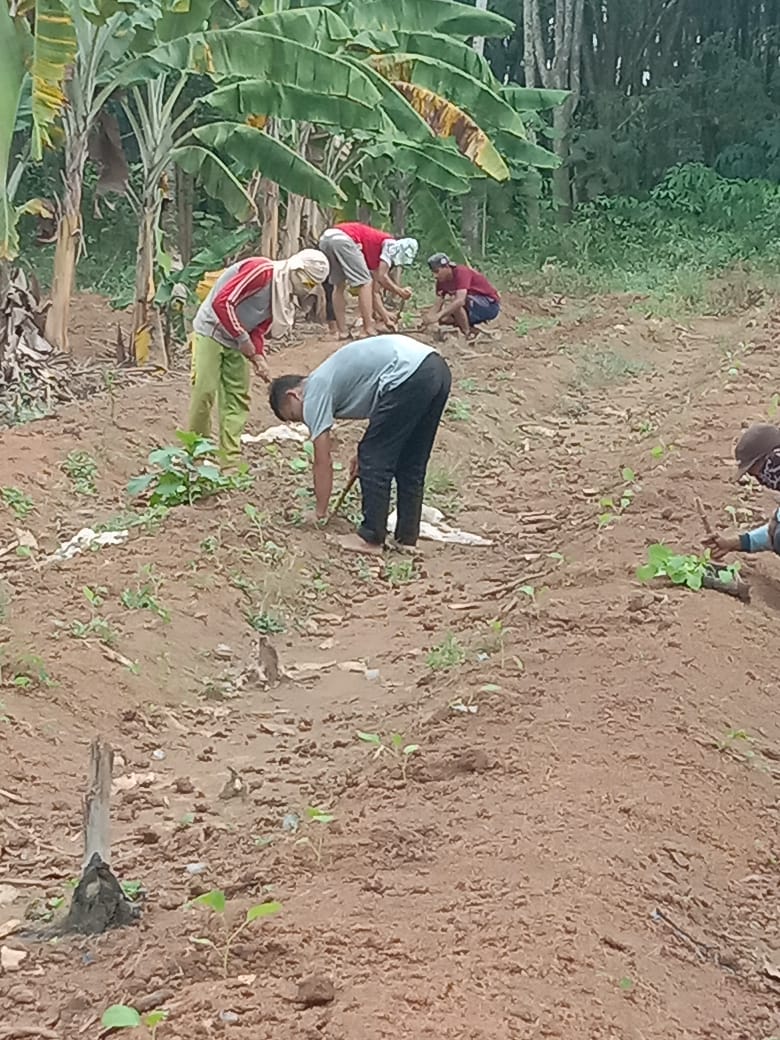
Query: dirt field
[(585, 843)]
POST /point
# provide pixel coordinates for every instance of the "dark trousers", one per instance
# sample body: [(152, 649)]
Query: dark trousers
[(330, 314), (398, 444)]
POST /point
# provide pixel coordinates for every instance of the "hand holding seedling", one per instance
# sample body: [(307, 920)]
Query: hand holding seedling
[(720, 545)]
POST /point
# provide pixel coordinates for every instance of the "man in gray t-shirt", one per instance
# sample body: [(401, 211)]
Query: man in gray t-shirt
[(401, 386)]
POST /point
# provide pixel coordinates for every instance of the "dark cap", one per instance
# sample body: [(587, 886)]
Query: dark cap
[(755, 444), (439, 260)]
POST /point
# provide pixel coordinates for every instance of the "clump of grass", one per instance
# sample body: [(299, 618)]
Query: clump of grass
[(82, 469), (448, 654)]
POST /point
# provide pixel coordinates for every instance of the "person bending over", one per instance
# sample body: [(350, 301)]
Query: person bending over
[(248, 300), (466, 297), (757, 453), (401, 386), (362, 257)]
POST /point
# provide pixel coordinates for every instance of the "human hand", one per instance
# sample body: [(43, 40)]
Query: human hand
[(260, 365), (405, 292), (313, 519), (720, 545)]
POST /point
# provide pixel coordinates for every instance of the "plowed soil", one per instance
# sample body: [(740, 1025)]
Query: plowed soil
[(584, 844)]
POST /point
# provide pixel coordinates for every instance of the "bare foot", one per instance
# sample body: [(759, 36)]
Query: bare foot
[(370, 332), (354, 543)]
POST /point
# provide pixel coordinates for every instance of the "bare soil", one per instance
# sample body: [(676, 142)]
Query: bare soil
[(585, 843)]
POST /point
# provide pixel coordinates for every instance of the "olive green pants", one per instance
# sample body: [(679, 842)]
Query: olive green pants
[(219, 375)]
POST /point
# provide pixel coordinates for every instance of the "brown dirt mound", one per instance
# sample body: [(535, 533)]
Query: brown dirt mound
[(584, 843)]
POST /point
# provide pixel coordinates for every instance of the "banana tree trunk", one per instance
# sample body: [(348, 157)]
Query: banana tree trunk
[(184, 215), (147, 339), (291, 232), (66, 251), (269, 215)]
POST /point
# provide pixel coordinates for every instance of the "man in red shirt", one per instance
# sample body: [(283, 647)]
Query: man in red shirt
[(466, 297), (362, 257)]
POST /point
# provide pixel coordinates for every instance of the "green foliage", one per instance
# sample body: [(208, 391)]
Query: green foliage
[(183, 475), (394, 746), (448, 654), (20, 504), (82, 469), (122, 1016), (680, 569), (216, 903)]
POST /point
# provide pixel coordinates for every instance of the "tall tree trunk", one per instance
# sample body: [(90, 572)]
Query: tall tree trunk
[(561, 71), (291, 232), (69, 240), (473, 205), (399, 207), (269, 216), (185, 191), (147, 339)]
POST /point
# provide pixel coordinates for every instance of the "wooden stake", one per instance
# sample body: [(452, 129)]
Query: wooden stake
[(97, 807), (704, 518)]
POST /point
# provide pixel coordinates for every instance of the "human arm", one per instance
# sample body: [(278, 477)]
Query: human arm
[(323, 474), (380, 312), (384, 281), (450, 306), (760, 539)]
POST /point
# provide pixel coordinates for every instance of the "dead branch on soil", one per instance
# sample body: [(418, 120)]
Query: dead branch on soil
[(98, 901)]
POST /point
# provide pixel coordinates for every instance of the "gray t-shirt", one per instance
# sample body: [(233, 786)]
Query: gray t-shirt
[(349, 384)]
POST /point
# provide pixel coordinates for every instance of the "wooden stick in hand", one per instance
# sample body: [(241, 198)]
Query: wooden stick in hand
[(340, 500), (704, 518)]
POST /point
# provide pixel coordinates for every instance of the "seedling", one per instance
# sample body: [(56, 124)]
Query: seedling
[(774, 406), (495, 638), (395, 746), (448, 654), (614, 507), (215, 901), (681, 569), (82, 469), (457, 410), (268, 624), (96, 627), (21, 505), (468, 386), (143, 597), (31, 672), (400, 573), (319, 819), (183, 475), (626, 984), (122, 1016)]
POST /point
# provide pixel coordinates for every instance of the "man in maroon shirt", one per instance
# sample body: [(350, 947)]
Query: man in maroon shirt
[(466, 297)]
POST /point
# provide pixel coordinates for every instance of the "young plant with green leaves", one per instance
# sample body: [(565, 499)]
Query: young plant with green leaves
[(81, 469), (317, 821), (448, 654), (394, 746), (184, 474), (613, 506), (681, 568), (123, 1016), (20, 504), (215, 902)]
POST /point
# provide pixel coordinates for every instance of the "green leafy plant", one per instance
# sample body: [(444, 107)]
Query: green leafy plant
[(457, 410), (266, 623), (318, 820), (394, 746), (215, 901), (122, 1016), (613, 507), (82, 469), (182, 475), (400, 572), (144, 596), (96, 627), (448, 654), (21, 505), (680, 568), (30, 672)]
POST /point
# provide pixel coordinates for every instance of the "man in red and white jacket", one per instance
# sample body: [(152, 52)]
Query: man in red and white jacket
[(362, 257), (249, 300)]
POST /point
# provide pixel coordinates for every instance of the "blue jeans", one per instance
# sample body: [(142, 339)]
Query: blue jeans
[(481, 309)]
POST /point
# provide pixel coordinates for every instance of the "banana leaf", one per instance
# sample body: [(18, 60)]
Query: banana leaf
[(216, 178), (54, 49), (443, 16), (424, 163), (253, 97), (518, 150), (447, 120), (254, 151), (241, 53), (402, 115), (316, 27), (531, 99), (479, 101), (435, 233), (14, 44), (432, 45)]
